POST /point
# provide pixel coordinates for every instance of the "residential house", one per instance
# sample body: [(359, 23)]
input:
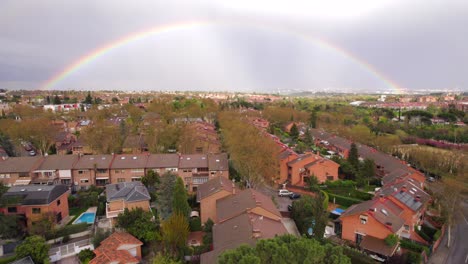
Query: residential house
[(80, 147), (202, 139), (427, 99), (134, 144), (91, 170), (63, 142), (307, 165), (18, 170), (210, 192), (118, 248), (372, 221), (55, 169), (36, 202), (284, 157), (128, 167), (218, 165), (243, 218), (126, 195)]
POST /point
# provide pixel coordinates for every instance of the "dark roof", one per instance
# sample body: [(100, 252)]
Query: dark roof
[(285, 154), (20, 164), (392, 176), (128, 191), (213, 186), (35, 194), (129, 161), (58, 162), (193, 161), (413, 197), (218, 162), (90, 161), (242, 201), (377, 246), (163, 161), (26, 260)]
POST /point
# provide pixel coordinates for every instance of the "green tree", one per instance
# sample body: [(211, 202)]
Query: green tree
[(162, 259), (174, 233), (86, 255), (9, 227), (88, 99), (57, 100), (366, 171), (139, 223), (294, 132), (36, 247), (285, 249), (308, 212), (179, 199), (151, 180), (353, 157), (313, 119), (165, 194)]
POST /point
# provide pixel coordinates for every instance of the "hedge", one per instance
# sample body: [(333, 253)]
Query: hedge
[(437, 235), (7, 259), (413, 246), (325, 201), (356, 256), (342, 200), (68, 230)]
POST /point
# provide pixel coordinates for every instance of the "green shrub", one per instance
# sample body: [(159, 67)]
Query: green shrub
[(437, 235), (325, 200), (67, 230), (356, 256), (413, 257), (391, 240), (423, 235), (66, 238), (408, 244), (195, 224), (7, 259), (429, 231), (346, 184), (86, 255), (342, 200)]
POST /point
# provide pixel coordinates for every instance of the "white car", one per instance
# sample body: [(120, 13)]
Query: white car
[(284, 192)]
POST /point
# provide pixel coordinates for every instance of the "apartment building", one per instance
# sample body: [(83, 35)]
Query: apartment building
[(296, 169), (55, 169)]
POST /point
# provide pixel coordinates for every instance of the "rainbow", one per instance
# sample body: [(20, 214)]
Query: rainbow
[(164, 29)]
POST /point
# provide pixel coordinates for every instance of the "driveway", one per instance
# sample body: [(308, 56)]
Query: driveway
[(69, 260)]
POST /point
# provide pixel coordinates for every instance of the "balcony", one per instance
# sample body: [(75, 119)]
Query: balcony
[(114, 213)]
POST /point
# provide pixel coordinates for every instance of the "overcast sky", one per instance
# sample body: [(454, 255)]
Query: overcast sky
[(242, 45)]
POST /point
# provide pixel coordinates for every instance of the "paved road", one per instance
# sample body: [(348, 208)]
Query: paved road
[(458, 252)]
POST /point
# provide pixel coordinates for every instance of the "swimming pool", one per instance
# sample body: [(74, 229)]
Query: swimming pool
[(87, 217)]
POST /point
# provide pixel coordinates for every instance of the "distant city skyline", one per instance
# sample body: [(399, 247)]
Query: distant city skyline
[(247, 46)]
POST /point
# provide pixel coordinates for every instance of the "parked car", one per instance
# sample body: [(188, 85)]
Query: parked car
[(32, 153), (284, 192), (289, 208), (431, 179), (294, 196)]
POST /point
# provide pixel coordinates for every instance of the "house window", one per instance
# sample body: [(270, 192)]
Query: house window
[(12, 209), (48, 173), (80, 171), (84, 180), (136, 179), (118, 171), (363, 219), (138, 170), (58, 202), (187, 170), (36, 210), (2, 176), (407, 227), (101, 170), (329, 177), (187, 179), (121, 180)]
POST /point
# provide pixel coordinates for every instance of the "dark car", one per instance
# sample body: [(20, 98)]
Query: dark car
[(294, 196), (289, 208)]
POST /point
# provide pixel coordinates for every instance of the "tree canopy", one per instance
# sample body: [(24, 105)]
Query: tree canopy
[(179, 199), (139, 223), (285, 249), (36, 247)]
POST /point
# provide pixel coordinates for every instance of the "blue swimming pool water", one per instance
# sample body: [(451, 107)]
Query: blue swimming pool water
[(86, 218)]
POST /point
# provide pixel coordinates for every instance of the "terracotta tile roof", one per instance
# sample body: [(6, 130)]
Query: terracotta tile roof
[(20, 164), (56, 162), (246, 228), (213, 186), (111, 249), (244, 201), (377, 246), (89, 161), (218, 162), (129, 161), (163, 161)]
